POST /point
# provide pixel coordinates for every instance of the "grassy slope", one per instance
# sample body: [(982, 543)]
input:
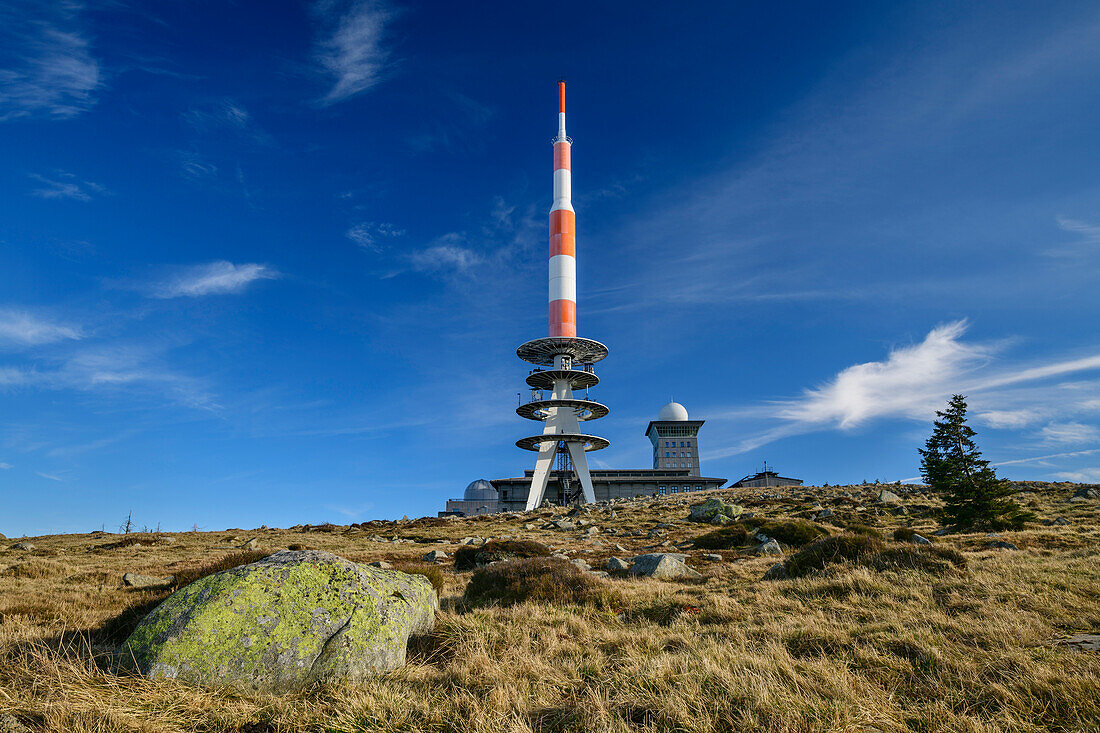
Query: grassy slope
[(847, 650)]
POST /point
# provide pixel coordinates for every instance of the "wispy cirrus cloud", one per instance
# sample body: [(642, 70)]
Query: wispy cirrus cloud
[(370, 235), (226, 115), (349, 50), (64, 185), (213, 278), (23, 328), (5, 466), (1069, 433), (46, 65), (1087, 242), (913, 381)]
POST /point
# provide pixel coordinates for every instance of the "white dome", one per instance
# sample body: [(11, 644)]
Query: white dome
[(673, 411), (480, 490)]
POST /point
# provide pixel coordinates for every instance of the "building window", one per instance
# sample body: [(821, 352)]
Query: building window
[(675, 489), (661, 490), (681, 465), (698, 488)]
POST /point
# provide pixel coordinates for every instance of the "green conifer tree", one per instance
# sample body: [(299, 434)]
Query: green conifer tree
[(952, 465)]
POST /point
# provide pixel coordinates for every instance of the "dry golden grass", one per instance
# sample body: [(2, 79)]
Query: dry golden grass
[(846, 649)]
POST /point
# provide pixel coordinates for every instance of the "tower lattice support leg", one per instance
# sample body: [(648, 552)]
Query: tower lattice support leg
[(543, 464), (580, 467)]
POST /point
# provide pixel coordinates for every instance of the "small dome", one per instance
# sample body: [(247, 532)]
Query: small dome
[(480, 490), (673, 411)]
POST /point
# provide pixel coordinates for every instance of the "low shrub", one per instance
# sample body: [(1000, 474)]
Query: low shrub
[(134, 538), (925, 558), (471, 557), (864, 530), (546, 579), (904, 534), (727, 538), (793, 532), (838, 548), (432, 572)]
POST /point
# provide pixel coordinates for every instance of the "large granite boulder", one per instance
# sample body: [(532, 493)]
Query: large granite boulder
[(715, 511), (289, 620)]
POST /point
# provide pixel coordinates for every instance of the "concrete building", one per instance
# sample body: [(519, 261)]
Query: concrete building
[(675, 439), (765, 479)]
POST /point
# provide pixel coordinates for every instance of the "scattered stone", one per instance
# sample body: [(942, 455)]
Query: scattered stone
[(825, 513), (10, 724), (168, 540), (1001, 545), (434, 556), (662, 565), (617, 563), (529, 526), (1085, 493), (600, 573), (715, 511), (380, 564), (713, 557), (592, 531), (916, 539), (1060, 522), (560, 556), (888, 497), (770, 547), (22, 546), (468, 541), (776, 572), (1080, 642), (286, 622), (581, 564), (251, 544), (133, 580)]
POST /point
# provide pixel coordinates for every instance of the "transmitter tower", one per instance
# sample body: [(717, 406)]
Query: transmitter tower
[(562, 446)]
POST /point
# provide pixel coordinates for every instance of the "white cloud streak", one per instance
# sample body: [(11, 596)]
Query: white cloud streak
[(214, 278), (65, 186), (46, 65), (914, 381), (349, 50), (22, 328)]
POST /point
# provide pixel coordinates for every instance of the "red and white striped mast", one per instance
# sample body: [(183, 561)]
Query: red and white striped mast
[(563, 235), (568, 357)]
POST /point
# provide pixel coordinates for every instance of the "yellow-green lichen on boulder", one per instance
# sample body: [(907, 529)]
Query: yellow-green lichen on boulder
[(715, 511), (287, 621)]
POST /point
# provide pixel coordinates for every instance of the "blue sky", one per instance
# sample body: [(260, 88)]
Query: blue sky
[(268, 263)]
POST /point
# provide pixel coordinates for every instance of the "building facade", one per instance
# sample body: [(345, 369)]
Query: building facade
[(675, 439), (766, 479)]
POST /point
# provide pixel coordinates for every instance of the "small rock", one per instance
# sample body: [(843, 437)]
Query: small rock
[(1085, 493), (468, 541), (918, 540), (1081, 642), (1060, 522), (581, 564), (888, 497), (529, 526), (771, 547), (592, 531), (776, 572), (825, 513), (617, 563), (662, 565), (1001, 545), (712, 509), (713, 557), (133, 580), (168, 540), (382, 564), (10, 724), (250, 544), (22, 546), (600, 573), (434, 556)]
